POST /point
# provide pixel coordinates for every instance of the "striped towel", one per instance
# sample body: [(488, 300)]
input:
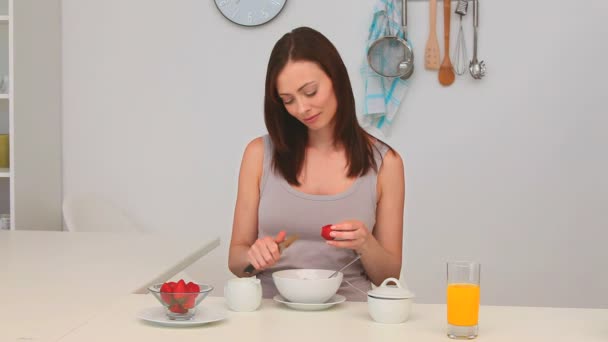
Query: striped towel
[(383, 95)]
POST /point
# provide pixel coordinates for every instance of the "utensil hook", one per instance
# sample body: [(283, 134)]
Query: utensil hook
[(404, 18)]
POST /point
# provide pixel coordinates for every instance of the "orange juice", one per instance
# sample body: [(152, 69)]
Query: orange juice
[(463, 304)]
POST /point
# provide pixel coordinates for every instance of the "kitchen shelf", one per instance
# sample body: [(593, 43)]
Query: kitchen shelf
[(30, 46), (3, 96)]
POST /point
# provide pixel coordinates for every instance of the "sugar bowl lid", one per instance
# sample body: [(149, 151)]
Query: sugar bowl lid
[(385, 291)]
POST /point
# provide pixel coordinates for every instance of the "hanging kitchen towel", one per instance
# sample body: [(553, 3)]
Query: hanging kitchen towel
[(383, 95)]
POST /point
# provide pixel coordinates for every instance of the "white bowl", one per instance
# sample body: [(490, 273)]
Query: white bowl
[(307, 285)]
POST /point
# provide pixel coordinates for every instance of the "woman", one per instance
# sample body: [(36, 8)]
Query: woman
[(317, 167)]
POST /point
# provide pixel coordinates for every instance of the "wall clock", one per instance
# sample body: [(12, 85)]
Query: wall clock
[(250, 12)]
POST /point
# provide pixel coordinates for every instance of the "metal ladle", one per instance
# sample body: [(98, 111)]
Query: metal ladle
[(406, 66), (477, 68)]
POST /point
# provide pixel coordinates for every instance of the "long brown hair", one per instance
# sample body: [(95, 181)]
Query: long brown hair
[(289, 136)]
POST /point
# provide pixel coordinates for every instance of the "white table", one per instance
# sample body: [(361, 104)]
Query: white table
[(345, 322), (52, 282)]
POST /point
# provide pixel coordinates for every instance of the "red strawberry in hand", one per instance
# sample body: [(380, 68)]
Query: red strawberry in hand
[(325, 232)]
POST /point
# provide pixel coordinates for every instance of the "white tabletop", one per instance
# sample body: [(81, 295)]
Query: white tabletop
[(348, 321), (54, 281)]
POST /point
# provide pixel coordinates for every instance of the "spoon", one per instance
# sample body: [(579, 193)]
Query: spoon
[(446, 71), (345, 266), (407, 68), (431, 52), (477, 68)]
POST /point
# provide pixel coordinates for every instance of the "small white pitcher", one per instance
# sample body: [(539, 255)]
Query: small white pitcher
[(243, 294)]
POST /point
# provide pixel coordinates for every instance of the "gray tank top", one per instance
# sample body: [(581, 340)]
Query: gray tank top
[(284, 208)]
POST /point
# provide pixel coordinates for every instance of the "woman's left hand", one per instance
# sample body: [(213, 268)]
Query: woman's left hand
[(350, 234)]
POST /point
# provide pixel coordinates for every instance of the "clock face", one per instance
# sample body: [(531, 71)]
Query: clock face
[(250, 12)]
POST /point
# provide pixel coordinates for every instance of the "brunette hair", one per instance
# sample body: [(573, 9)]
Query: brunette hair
[(289, 136)]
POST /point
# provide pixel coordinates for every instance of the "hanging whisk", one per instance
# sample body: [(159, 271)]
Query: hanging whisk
[(460, 52)]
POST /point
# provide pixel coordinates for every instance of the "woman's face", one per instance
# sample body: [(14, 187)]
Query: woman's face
[(307, 94)]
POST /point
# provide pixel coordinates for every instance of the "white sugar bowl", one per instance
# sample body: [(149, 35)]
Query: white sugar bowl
[(390, 303)]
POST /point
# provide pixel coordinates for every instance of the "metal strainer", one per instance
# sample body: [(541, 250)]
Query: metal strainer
[(391, 55)]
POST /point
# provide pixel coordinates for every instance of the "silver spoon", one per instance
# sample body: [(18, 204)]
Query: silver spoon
[(477, 68), (345, 266)]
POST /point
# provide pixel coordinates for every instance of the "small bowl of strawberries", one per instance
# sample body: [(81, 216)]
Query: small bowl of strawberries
[(180, 298)]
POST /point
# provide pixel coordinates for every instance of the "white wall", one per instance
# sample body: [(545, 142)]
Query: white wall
[(160, 98)]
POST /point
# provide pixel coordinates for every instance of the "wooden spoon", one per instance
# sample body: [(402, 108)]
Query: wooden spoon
[(446, 71), (431, 52)]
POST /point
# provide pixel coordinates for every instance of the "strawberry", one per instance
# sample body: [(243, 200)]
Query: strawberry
[(193, 290), (192, 287), (325, 232), (177, 309), (179, 292), (165, 293), (190, 301)]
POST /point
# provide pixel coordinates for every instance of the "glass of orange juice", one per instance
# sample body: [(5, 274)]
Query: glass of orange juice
[(463, 299)]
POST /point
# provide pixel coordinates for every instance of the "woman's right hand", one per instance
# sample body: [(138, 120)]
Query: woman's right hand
[(265, 251)]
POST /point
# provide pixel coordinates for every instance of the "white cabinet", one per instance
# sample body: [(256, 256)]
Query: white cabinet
[(30, 112)]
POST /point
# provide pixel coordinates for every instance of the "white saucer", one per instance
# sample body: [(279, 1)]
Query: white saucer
[(335, 299), (203, 315)]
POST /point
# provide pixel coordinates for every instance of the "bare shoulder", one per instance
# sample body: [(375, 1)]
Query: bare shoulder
[(254, 151), (391, 177), (392, 171), (255, 146), (392, 161), (253, 158)]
